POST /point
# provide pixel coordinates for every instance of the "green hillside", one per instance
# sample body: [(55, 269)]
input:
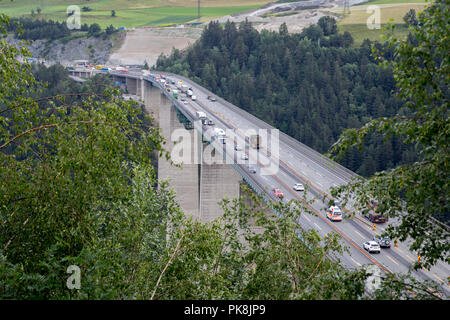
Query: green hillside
[(129, 13)]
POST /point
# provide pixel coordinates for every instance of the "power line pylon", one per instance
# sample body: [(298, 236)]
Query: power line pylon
[(346, 7)]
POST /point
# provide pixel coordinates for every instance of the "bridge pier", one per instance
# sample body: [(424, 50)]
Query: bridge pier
[(152, 99), (184, 181), (132, 86), (217, 181)]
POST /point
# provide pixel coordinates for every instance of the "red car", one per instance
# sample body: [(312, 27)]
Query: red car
[(278, 193)]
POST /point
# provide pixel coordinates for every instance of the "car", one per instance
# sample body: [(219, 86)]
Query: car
[(210, 122), (194, 98), (237, 147), (372, 246), (183, 99), (384, 242), (334, 213), (298, 187), (185, 102), (244, 156), (278, 193), (252, 169), (211, 98)]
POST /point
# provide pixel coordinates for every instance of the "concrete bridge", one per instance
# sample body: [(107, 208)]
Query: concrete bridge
[(202, 183), (199, 186)]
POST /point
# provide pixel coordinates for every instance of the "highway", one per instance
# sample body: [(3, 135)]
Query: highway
[(297, 163)]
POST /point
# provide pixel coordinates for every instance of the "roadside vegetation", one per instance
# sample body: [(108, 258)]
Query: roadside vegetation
[(330, 96), (78, 187), (311, 85)]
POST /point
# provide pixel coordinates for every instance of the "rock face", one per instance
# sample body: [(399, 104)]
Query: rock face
[(96, 50)]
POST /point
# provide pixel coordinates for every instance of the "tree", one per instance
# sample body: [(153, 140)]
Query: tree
[(410, 18), (419, 192), (78, 187), (94, 30), (328, 25)]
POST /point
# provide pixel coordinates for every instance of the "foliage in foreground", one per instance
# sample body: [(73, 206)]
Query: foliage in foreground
[(416, 193), (78, 188)]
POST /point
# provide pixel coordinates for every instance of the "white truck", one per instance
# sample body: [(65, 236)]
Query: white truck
[(189, 93), (201, 115)]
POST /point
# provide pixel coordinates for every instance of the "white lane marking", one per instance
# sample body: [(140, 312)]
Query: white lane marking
[(307, 218), (392, 260), (360, 234), (437, 277), (355, 262), (317, 226)]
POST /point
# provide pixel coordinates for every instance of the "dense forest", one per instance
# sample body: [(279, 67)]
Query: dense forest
[(311, 85), (34, 29), (78, 187)]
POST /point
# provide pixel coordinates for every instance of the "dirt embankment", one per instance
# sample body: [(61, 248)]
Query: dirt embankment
[(147, 44)]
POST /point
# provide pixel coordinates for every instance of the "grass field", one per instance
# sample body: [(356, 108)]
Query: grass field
[(131, 13), (390, 11)]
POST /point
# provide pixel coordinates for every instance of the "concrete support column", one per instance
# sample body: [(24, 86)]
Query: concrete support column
[(217, 181), (184, 181), (131, 86), (152, 100)]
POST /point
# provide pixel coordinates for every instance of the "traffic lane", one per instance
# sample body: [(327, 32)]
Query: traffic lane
[(322, 176), (308, 221), (356, 248), (388, 259), (320, 208), (284, 177)]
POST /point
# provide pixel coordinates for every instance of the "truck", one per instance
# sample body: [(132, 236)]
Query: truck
[(184, 88), (201, 115), (255, 141), (175, 94), (189, 93), (373, 215)]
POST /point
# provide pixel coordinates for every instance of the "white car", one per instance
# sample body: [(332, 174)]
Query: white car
[(334, 213), (244, 156), (299, 187), (237, 147), (194, 98), (372, 246)]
